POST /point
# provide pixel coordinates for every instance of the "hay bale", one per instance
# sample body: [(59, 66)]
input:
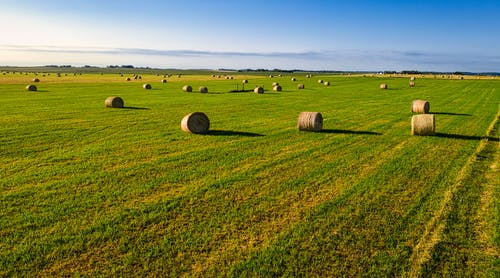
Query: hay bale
[(300, 86), (294, 79), (244, 81), (196, 122), (277, 88), (164, 81), (127, 79), (36, 80), (114, 102), (320, 81), (147, 86), (412, 83), (279, 75), (420, 106), (276, 84), (31, 88), (383, 86), (412, 78), (310, 121), (258, 90), (203, 89), (423, 124), (271, 76), (326, 83), (187, 88)]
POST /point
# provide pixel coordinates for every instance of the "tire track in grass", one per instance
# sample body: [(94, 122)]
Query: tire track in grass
[(435, 227)]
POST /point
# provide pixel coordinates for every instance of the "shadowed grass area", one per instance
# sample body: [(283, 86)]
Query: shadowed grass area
[(88, 190)]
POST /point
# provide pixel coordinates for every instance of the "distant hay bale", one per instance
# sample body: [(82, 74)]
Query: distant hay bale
[(279, 75), (203, 89), (114, 102), (31, 88), (320, 81), (127, 79), (383, 86), (412, 83), (147, 86), (412, 78), (196, 122), (258, 90), (271, 76), (187, 88), (213, 75), (36, 80), (300, 86), (461, 77), (275, 84), (423, 124), (326, 83), (310, 121), (164, 81), (420, 106), (244, 81), (277, 88), (294, 79)]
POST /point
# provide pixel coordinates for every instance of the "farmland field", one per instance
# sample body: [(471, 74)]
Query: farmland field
[(95, 191)]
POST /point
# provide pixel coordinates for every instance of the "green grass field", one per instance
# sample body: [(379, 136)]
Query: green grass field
[(94, 191)]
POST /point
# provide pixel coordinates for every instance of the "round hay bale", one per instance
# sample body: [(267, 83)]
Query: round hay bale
[(127, 79), (423, 124), (203, 89), (196, 122), (271, 76), (114, 102), (258, 90), (383, 86), (412, 78), (277, 88), (36, 80), (187, 88), (412, 83), (31, 88), (275, 84), (320, 81), (279, 75), (147, 86), (420, 106), (310, 121), (244, 81), (326, 83), (300, 86), (294, 79), (164, 81)]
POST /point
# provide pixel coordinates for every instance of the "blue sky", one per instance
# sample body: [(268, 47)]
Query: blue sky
[(307, 34)]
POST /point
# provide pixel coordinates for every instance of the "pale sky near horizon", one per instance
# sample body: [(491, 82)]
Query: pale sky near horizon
[(436, 35)]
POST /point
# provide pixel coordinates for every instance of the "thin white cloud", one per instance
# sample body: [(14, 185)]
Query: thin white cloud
[(318, 60)]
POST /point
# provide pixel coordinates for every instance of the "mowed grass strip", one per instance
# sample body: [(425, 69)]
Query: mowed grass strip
[(100, 191)]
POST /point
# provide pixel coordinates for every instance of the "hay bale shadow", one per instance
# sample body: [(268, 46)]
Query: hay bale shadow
[(233, 133), (450, 113), (465, 137), (355, 132), (135, 108)]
